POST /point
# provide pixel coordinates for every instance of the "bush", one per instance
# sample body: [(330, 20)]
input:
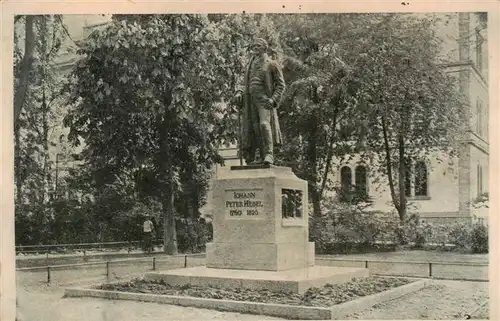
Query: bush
[(459, 234), (349, 228), (413, 231), (192, 236), (479, 238)]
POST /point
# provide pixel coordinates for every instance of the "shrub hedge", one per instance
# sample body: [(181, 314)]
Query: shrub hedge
[(350, 228)]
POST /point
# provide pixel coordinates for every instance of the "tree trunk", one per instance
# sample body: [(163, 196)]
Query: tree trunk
[(17, 167), (329, 155), (165, 166), (22, 87), (46, 165), (402, 178), (388, 164), (312, 171), (169, 231), (194, 206), (45, 108), (316, 201)]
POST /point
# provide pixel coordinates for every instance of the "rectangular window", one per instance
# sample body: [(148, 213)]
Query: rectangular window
[(420, 179), (479, 115), (416, 179), (360, 178), (479, 51), (479, 180)]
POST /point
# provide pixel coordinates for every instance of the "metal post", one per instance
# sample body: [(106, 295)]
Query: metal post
[(185, 261), (48, 274), (430, 269), (154, 263), (107, 270), (366, 264)]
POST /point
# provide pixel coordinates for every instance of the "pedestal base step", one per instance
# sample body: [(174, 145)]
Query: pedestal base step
[(297, 281)]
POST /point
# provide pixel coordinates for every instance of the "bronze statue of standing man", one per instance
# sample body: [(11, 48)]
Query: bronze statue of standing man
[(263, 88)]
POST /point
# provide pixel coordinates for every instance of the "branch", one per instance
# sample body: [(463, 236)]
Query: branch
[(329, 157), (54, 47), (32, 123), (59, 19)]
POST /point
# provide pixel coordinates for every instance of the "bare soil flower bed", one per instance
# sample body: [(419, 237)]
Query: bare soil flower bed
[(325, 296)]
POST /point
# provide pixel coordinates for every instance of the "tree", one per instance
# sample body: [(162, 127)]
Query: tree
[(319, 93), (37, 89), (386, 91), (413, 106), (147, 96)]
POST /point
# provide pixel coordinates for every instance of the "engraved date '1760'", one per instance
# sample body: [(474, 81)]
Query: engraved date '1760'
[(243, 203)]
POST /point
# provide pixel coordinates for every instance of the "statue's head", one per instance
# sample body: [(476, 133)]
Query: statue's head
[(259, 46)]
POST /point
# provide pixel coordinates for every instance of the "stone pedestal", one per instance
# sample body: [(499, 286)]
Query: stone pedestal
[(260, 239), (261, 222)]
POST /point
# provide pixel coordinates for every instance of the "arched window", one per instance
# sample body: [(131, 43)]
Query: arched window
[(360, 177), (346, 178), (420, 179)]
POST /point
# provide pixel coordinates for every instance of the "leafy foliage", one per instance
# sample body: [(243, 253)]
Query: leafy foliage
[(462, 235), (479, 238), (481, 201), (152, 99), (415, 108), (315, 100), (147, 98), (350, 227), (386, 92), (35, 127)]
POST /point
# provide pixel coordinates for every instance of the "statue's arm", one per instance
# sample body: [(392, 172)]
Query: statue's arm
[(279, 83)]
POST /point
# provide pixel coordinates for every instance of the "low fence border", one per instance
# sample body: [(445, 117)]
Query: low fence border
[(155, 259), (46, 248)]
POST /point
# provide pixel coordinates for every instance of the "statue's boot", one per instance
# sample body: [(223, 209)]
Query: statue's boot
[(267, 144)]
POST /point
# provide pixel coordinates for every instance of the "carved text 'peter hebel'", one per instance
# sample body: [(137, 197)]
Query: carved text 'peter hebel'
[(243, 203)]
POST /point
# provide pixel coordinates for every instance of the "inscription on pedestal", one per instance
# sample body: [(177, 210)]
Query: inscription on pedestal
[(244, 203)]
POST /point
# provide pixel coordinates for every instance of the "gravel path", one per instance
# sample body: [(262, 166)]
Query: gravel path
[(43, 303), (443, 300)]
